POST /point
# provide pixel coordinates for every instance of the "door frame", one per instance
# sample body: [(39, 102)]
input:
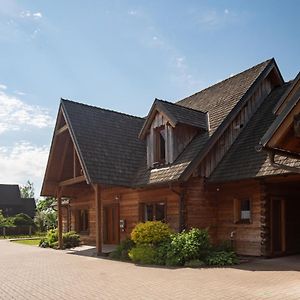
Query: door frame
[(282, 226), (117, 221)]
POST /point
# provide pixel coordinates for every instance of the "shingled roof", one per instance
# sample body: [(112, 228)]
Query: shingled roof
[(107, 142), (177, 114), (242, 161), (220, 98)]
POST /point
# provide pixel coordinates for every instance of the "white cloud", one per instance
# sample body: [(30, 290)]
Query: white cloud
[(3, 87), (211, 19), (37, 15), (21, 162), (19, 93), (17, 115), (132, 12), (29, 14)]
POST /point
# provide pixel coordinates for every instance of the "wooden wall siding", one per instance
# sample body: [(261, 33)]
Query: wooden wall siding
[(231, 133), (265, 220), (128, 200), (182, 137), (247, 237), (158, 121), (200, 207), (176, 139)]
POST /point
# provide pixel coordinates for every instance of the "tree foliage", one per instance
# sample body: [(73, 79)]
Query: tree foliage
[(27, 190)]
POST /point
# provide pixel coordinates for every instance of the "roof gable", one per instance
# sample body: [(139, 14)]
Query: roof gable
[(176, 114), (107, 142)]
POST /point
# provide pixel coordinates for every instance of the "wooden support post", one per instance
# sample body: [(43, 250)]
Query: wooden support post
[(59, 215), (98, 208)]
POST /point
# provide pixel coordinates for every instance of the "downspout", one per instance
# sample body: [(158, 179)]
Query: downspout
[(181, 207), (281, 166)]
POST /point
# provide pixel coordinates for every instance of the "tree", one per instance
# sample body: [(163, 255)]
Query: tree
[(46, 217), (27, 190)]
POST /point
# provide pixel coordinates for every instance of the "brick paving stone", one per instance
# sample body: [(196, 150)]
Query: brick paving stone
[(28, 272)]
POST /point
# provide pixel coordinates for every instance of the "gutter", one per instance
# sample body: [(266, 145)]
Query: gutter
[(181, 195)]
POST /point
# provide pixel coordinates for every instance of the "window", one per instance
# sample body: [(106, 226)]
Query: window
[(160, 145), (83, 218), (153, 211), (242, 210)]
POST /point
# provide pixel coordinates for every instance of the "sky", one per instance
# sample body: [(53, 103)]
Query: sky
[(121, 55)]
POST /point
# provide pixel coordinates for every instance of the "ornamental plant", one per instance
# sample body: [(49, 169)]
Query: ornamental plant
[(150, 232)]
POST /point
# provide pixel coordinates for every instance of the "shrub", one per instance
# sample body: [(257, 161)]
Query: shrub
[(151, 232), (221, 258), (144, 254), (195, 263), (70, 239), (22, 220), (188, 245), (122, 250)]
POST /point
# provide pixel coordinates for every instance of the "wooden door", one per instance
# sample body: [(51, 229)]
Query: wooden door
[(111, 227), (278, 237)]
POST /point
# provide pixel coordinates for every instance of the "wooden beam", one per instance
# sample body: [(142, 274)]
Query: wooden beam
[(71, 181), (63, 157), (59, 215), (99, 223), (61, 130)]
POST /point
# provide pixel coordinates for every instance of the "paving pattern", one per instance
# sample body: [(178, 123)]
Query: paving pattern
[(28, 272)]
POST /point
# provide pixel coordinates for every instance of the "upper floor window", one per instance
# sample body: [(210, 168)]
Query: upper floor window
[(160, 145)]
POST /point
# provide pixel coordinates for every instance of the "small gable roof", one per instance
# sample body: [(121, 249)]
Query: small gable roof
[(176, 114)]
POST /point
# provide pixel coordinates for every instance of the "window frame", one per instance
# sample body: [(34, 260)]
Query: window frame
[(157, 146), (153, 204), (85, 220), (237, 205)]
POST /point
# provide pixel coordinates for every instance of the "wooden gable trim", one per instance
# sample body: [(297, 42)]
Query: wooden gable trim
[(281, 125), (156, 107), (71, 181), (76, 147), (56, 133), (230, 118)]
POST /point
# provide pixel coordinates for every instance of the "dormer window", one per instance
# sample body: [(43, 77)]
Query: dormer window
[(160, 145)]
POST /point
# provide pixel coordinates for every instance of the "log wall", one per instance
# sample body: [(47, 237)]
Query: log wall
[(247, 237)]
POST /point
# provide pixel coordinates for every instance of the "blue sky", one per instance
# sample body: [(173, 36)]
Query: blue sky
[(121, 55)]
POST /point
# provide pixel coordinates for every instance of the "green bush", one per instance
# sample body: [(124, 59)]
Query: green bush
[(122, 250), (144, 254), (22, 220), (221, 258), (151, 232), (195, 263), (188, 245), (70, 239)]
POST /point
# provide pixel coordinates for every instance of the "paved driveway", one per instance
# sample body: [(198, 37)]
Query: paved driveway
[(27, 272)]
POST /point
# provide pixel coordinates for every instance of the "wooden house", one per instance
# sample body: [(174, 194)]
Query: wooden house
[(193, 163)]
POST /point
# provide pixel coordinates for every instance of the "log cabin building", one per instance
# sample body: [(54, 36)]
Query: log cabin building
[(193, 163)]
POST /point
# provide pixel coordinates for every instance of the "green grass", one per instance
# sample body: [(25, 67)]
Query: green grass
[(28, 242)]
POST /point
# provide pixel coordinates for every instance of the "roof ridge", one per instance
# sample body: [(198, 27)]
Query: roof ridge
[(228, 78), (101, 108), (181, 106)]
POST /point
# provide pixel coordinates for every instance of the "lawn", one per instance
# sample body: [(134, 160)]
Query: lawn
[(34, 242)]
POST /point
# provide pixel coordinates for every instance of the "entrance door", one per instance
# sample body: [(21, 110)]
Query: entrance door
[(111, 224), (278, 241)]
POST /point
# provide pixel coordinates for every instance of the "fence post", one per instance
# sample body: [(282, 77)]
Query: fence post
[(4, 232), (30, 228)]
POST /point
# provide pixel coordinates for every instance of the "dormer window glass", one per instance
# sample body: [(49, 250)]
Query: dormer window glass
[(160, 145)]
